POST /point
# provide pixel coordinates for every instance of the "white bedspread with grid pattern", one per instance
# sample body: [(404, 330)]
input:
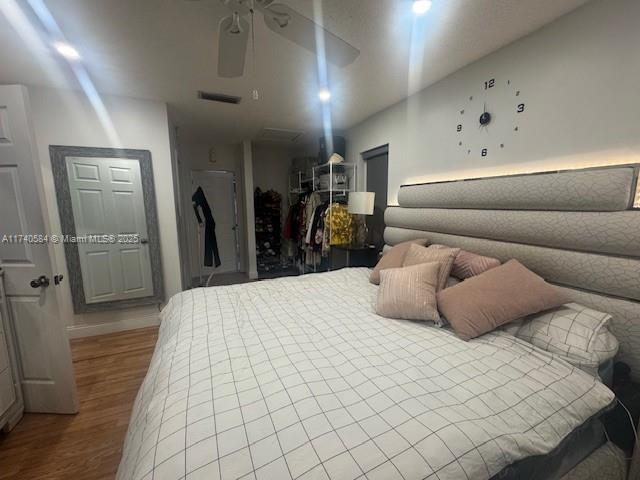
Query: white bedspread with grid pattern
[(299, 378)]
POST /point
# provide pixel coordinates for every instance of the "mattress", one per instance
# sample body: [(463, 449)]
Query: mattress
[(299, 378), (575, 447)]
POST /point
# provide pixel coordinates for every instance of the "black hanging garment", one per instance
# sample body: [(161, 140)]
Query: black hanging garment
[(210, 242)]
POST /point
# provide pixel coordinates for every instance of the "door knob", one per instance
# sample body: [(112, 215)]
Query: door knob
[(41, 281)]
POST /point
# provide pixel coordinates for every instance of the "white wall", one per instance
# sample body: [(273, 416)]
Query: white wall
[(62, 117), (247, 169), (181, 209), (271, 166), (578, 77)]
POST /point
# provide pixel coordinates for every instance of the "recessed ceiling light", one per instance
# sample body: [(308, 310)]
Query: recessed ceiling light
[(66, 50), (420, 7), (324, 95)]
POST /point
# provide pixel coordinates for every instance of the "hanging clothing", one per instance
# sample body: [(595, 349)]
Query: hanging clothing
[(313, 202), (311, 230), (309, 207), (317, 228), (211, 252), (338, 227), (299, 220), (292, 225), (287, 232)]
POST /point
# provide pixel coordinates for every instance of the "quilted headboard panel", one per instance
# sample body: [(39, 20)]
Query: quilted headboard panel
[(578, 229), (598, 190)]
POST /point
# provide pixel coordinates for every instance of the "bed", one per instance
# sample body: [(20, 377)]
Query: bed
[(299, 378)]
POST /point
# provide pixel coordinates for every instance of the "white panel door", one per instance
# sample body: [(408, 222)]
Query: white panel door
[(47, 379), (220, 189), (107, 199)]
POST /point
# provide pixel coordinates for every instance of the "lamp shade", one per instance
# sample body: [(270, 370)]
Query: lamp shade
[(361, 203)]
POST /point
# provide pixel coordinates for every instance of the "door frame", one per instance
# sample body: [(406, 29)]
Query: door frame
[(366, 156), (58, 154), (372, 153), (235, 212)]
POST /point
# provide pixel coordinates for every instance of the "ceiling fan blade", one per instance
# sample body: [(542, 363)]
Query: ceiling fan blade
[(232, 46), (285, 21)]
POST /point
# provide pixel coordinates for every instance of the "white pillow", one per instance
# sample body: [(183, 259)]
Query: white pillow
[(576, 333)]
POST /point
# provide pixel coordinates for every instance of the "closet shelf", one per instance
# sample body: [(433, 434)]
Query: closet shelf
[(343, 164), (335, 192)]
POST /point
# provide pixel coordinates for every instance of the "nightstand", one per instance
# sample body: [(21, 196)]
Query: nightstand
[(356, 256)]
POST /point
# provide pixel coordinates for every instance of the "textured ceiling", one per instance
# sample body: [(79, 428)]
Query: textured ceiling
[(166, 50)]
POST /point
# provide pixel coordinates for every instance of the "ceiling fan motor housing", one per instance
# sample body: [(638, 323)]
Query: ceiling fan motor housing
[(244, 7)]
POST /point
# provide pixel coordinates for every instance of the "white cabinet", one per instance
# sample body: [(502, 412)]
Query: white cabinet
[(11, 404)]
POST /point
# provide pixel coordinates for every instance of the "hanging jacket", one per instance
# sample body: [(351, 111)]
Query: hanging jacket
[(211, 252)]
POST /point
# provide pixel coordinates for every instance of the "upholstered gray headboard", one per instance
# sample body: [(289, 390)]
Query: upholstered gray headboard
[(578, 229)]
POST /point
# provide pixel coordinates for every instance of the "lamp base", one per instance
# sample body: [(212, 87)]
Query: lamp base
[(361, 233)]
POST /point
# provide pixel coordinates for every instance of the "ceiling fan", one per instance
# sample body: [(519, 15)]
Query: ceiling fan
[(234, 34)]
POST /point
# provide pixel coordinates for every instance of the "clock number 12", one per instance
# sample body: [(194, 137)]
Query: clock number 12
[(489, 84)]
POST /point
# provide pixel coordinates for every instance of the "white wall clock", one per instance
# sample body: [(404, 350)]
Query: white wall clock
[(489, 117)]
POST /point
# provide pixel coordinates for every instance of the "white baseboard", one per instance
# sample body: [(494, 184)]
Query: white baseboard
[(90, 330)]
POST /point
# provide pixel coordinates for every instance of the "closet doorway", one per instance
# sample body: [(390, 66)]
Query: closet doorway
[(219, 187)]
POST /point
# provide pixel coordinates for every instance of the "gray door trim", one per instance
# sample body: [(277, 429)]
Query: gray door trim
[(375, 152), (58, 154), (236, 226)]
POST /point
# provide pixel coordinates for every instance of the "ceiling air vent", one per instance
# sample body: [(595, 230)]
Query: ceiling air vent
[(279, 135), (219, 97)]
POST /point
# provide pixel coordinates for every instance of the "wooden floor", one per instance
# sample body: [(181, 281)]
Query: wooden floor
[(109, 370)]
